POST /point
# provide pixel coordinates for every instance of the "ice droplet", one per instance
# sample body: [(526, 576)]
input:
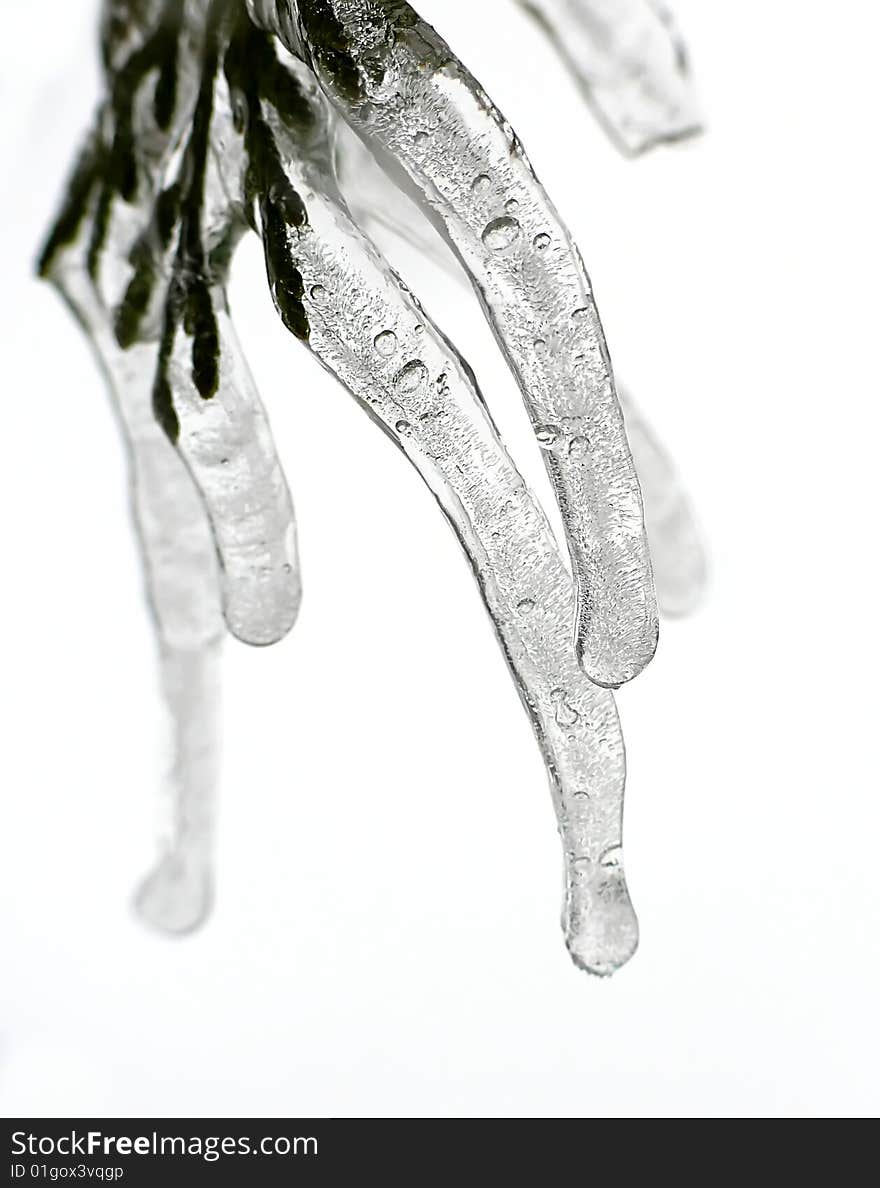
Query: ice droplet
[(501, 233), (578, 448), (526, 606), (404, 428), (318, 293), (385, 343), (481, 184), (541, 241)]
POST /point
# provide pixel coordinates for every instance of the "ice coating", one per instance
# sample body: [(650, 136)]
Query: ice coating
[(124, 211), (176, 896), (630, 61), (208, 403), (401, 88), (98, 246), (367, 328), (208, 127), (182, 580), (677, 551)]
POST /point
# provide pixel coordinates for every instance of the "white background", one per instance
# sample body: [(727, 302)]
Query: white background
[(386, 937)]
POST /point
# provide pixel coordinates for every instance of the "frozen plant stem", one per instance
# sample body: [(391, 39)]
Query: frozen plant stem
[(212, 126), (104, 255), (400, 87), (368, 330)]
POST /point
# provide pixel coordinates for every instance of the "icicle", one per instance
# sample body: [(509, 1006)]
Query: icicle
[(117, 207), (205, 397), (401, 88), (631, 64), (100, 256), (183, 582), (182, 578), (177, 895), (677, 552), (335, 291), (207, 129)]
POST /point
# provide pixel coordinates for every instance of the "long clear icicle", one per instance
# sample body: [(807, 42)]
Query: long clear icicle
[(180, 561), (401, 88), (102, 258), (631, 64), (677, 552), (332, 287), (176, 895)]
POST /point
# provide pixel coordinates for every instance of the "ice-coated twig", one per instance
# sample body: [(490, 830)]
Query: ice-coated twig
[(677, 552), (85, 258), (334, 291), (631, 63), (210, 126), (401, 88), (154, 60), (101, 255), (204, 395)]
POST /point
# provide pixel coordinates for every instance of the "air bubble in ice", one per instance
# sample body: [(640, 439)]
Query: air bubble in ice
[(547, 436), (385, 343), (411, 376), (566, 715), (500, 233)]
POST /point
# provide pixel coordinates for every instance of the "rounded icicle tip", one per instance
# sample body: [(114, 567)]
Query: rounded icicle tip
[(611, 647), (600, 925), (176, 897), (262, 612)]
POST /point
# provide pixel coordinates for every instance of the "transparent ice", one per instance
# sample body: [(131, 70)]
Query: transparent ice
[(221, 117), (631, 63)]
